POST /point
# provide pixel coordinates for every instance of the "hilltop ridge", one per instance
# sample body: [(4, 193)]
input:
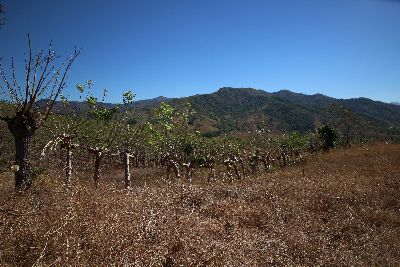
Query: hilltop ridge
[(235, 110), (241, 109)]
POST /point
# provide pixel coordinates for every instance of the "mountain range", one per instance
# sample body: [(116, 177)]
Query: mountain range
[(242, 109), (235, 110)]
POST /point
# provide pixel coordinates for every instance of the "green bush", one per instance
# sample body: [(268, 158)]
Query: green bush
[(328, 135)]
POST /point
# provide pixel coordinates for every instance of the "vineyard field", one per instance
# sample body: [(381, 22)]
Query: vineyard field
[(344, 210)]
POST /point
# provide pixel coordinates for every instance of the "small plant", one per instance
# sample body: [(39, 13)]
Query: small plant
[(329, 136)]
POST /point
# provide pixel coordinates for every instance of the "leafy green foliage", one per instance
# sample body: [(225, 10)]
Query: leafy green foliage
[(293, 141), (105, 114), (329, 135), (91, 101), (127, 97), (80, 88)]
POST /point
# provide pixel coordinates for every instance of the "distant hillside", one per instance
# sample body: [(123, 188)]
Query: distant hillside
[(243, 109)]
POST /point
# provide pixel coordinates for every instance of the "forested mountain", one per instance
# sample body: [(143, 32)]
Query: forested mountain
[(235, 110), (242, 109)]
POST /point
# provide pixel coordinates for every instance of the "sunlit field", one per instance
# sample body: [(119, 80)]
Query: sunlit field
[(344, 210), (199, 133)]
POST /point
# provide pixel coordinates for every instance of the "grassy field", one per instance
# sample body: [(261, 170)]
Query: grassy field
[(344, 211)]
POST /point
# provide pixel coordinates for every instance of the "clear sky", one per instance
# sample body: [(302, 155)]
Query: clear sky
[(173, 48)]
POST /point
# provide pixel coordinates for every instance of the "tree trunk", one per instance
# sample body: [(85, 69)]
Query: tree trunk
[(235, 167), (97, 165), (23, 176), (68, 166), (23, 127), (188, 168), (127, 172)]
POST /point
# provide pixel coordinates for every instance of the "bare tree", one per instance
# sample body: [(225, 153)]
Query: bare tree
[(45, 79)]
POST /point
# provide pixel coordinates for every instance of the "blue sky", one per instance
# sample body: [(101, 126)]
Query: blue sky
[(173, 48)]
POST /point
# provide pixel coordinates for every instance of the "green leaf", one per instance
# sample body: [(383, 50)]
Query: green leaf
[(91, 101), (80, 87), (127, 97)]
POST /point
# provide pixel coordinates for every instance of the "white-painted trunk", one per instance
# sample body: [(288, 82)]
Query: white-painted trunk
[(68, 167), (127, 172)]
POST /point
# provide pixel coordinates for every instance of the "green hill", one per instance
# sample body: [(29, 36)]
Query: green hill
[(236, 110), (242, 109)]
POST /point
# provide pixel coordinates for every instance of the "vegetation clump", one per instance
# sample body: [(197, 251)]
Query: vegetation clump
[(328, 135)]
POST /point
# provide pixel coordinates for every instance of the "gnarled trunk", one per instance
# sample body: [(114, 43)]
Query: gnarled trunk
[(69, 146), (23, 128), (24, 175), (99, 154)]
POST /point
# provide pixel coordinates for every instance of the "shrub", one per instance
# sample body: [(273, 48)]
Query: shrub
[(329, 136)]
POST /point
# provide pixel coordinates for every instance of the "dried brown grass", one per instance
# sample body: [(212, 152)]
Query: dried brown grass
[(344, 211)]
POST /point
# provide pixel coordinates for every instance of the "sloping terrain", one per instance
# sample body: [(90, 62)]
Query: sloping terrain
[(282, 111), (343, 212), (243, 109)]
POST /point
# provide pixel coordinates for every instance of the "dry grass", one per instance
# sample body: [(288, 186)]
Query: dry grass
[(345, 211)]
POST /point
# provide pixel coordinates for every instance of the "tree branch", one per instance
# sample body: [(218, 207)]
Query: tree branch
[(37, 64), (43, 76), (15, 81), (11, 90), (28, 73), (61, 84)]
